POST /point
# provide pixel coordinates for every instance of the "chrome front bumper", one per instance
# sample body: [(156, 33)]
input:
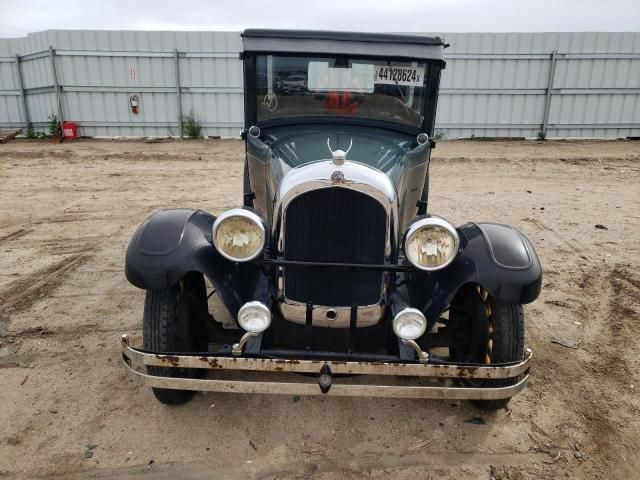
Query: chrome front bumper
[(136, 360)]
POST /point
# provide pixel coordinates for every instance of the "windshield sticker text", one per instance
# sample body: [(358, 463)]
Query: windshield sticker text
[(411, 76)]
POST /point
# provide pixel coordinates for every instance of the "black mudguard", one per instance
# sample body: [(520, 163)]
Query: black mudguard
[(171, 243), (497, 257)]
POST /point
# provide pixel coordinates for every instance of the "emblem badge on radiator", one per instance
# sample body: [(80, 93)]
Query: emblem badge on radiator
[(337, 178)]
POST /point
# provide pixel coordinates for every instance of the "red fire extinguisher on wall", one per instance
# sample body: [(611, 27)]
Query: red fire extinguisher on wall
[(133, 102)]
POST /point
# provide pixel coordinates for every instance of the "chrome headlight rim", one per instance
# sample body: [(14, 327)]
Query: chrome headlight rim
[(239, 212), (425, 223)]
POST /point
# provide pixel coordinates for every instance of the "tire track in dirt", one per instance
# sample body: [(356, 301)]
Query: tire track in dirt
[(560, 238), (26, 292), (604, 302), (64, 333), (15, 235), (610, 322), (623, 321)]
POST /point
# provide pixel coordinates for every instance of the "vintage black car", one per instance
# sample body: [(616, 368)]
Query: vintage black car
[(334, 267)]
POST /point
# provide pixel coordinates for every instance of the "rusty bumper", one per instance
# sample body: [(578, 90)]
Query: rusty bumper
[(135, 363)]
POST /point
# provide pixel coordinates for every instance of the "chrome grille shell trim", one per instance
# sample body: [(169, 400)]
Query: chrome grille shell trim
[(325, 174)]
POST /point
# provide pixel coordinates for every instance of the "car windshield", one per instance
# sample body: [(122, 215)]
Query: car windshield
[(294, 86)]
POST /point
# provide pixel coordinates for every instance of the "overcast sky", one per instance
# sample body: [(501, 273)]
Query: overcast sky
[(18, 17)]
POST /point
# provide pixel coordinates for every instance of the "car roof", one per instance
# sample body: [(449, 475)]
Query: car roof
[(343, 43)]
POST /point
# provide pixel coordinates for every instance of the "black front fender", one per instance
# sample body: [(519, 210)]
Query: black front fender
[(497, 257), (167, 245), (171, 243)]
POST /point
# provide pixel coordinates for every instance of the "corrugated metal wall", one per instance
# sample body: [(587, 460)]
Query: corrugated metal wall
[(99, 71), (495, 84)]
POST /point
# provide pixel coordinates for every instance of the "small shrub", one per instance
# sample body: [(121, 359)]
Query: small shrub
[(541, 136), (32, 134), (438, 136), (55, 129), (191, 126)]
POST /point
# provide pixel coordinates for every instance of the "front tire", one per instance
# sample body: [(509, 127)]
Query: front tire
[(174, 322), (488, 331)]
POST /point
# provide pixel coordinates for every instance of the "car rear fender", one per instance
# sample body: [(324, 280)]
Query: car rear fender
[(497, 257)]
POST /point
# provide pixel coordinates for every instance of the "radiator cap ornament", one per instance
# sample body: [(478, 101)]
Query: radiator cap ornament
[(339, 156)]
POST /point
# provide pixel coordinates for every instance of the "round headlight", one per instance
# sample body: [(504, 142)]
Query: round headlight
[(431, 243), (239, 235), (254, 317), (409, 324)]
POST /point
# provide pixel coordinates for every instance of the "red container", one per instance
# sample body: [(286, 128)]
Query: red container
[(69, 130)]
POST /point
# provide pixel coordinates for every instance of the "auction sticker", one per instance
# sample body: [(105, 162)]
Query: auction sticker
[(390, 75)]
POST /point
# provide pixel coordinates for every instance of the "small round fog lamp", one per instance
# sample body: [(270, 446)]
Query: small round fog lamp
[(254, 317), (409, 324)]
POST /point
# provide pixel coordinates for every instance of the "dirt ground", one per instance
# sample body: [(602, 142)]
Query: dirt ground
[(66, 214)]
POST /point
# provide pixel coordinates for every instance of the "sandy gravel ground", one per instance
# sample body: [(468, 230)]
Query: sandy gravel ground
[(67, 211)]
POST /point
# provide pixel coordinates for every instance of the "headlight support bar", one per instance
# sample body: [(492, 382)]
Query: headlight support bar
[(302, 264)]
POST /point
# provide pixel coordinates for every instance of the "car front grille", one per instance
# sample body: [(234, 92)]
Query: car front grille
[(334, 225)]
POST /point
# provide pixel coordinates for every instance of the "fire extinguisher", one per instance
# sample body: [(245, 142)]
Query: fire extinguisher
[(133, 101)]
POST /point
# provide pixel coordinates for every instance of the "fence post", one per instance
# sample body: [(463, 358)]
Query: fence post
[(27, 121), (178, 93), (56, 85), (547, 100)]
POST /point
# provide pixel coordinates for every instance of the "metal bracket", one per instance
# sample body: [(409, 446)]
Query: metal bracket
[(237, 348), (23, 94), (547, 100), (254, 344), (423, 357), (176, 61)]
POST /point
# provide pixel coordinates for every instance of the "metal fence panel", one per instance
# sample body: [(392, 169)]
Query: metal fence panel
[(9, 94), (495, 84)]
